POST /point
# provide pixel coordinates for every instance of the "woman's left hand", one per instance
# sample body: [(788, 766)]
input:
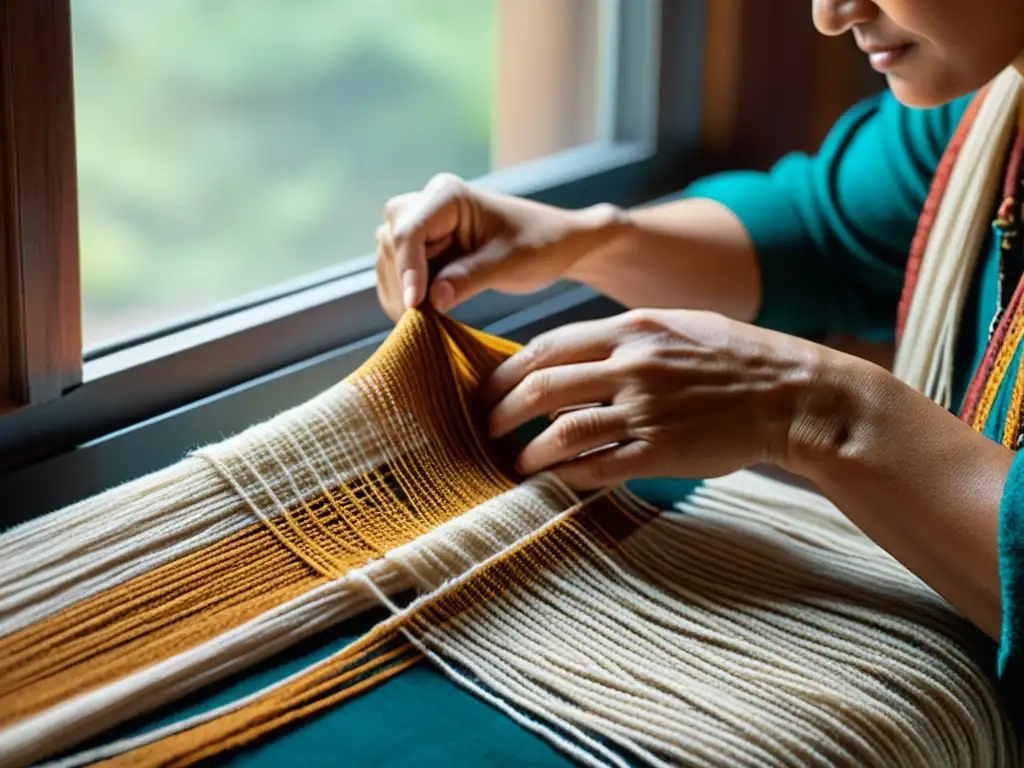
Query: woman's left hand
[(661, 393)]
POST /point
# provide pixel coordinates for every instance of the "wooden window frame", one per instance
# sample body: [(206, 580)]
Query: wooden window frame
[(760, 55), (41, 321), (142, 403), (692, 87), (548, 77)]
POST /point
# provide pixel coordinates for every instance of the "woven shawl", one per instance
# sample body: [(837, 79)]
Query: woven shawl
[(750, 625)]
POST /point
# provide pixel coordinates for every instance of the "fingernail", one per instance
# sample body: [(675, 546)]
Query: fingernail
[(442, 296), (409, 284)]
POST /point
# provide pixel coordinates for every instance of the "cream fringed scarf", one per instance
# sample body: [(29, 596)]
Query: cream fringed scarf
[(752, 625), (924, 359)]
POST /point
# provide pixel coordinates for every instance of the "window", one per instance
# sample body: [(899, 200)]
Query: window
[(228, 147), (209, 224)]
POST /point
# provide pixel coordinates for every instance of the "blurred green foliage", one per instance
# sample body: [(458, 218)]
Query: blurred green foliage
[(225, 145)]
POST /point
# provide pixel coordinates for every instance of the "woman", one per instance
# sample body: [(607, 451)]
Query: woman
[(701, 378)]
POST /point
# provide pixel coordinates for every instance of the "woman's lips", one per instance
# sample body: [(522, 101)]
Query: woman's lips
[(884, 58)]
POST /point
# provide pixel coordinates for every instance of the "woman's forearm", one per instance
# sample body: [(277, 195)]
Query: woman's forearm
[(688, 253), (913, 477)]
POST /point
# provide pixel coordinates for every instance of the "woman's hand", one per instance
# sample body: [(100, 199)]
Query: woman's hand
[(675, 393), (500, 242), (669, 393)]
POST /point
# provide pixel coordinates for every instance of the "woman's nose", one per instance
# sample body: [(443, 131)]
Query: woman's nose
[(834, 17)]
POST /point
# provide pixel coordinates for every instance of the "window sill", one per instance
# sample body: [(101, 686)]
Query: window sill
[(137, 379), (144, 401), (88, 467)]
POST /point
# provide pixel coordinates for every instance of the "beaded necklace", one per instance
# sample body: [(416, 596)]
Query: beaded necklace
[(1006, 328), (1006, 227)]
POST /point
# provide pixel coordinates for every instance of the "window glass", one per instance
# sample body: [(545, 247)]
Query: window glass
[(224, 147)]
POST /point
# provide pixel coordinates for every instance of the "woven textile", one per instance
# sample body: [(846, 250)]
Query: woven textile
[(753, 625)]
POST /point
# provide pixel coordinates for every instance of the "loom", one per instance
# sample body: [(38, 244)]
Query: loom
[(752, 624)]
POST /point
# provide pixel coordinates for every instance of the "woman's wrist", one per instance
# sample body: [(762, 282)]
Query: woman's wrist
[(834, 413), (909, 474), (683, 254), (589, 233)]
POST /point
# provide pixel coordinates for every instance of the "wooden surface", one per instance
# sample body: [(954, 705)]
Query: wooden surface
[(548, 65), (40, 325), (773, 84)]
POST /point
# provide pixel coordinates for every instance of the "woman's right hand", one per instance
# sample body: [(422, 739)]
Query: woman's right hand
[(494, 241)]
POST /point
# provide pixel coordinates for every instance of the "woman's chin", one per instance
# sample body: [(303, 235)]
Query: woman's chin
[(923, 83), (921, 93)]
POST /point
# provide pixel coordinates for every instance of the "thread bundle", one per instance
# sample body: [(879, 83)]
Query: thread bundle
[(752, 626)]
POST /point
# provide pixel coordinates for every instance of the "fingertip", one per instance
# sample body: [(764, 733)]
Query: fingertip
[(442, 295), (490, 392), (496, 429), (571, 478), (410, 294), (521, 466), (579, 476)]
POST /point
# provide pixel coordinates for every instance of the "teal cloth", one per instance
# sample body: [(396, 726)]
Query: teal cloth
[(1011, 571), (418, 717), (833, 233), (833, 230)]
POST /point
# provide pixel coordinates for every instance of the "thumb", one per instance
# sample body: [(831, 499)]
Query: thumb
[(420, 224), (470, 275)]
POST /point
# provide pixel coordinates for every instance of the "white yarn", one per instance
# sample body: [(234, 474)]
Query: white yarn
[(55, 561), (709, 676), (734, 632), (712, 636), (473, 537), (924, 359)]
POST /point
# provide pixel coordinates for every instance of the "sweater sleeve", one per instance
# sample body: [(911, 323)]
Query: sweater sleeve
[(1011, 575), (832, 231)]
